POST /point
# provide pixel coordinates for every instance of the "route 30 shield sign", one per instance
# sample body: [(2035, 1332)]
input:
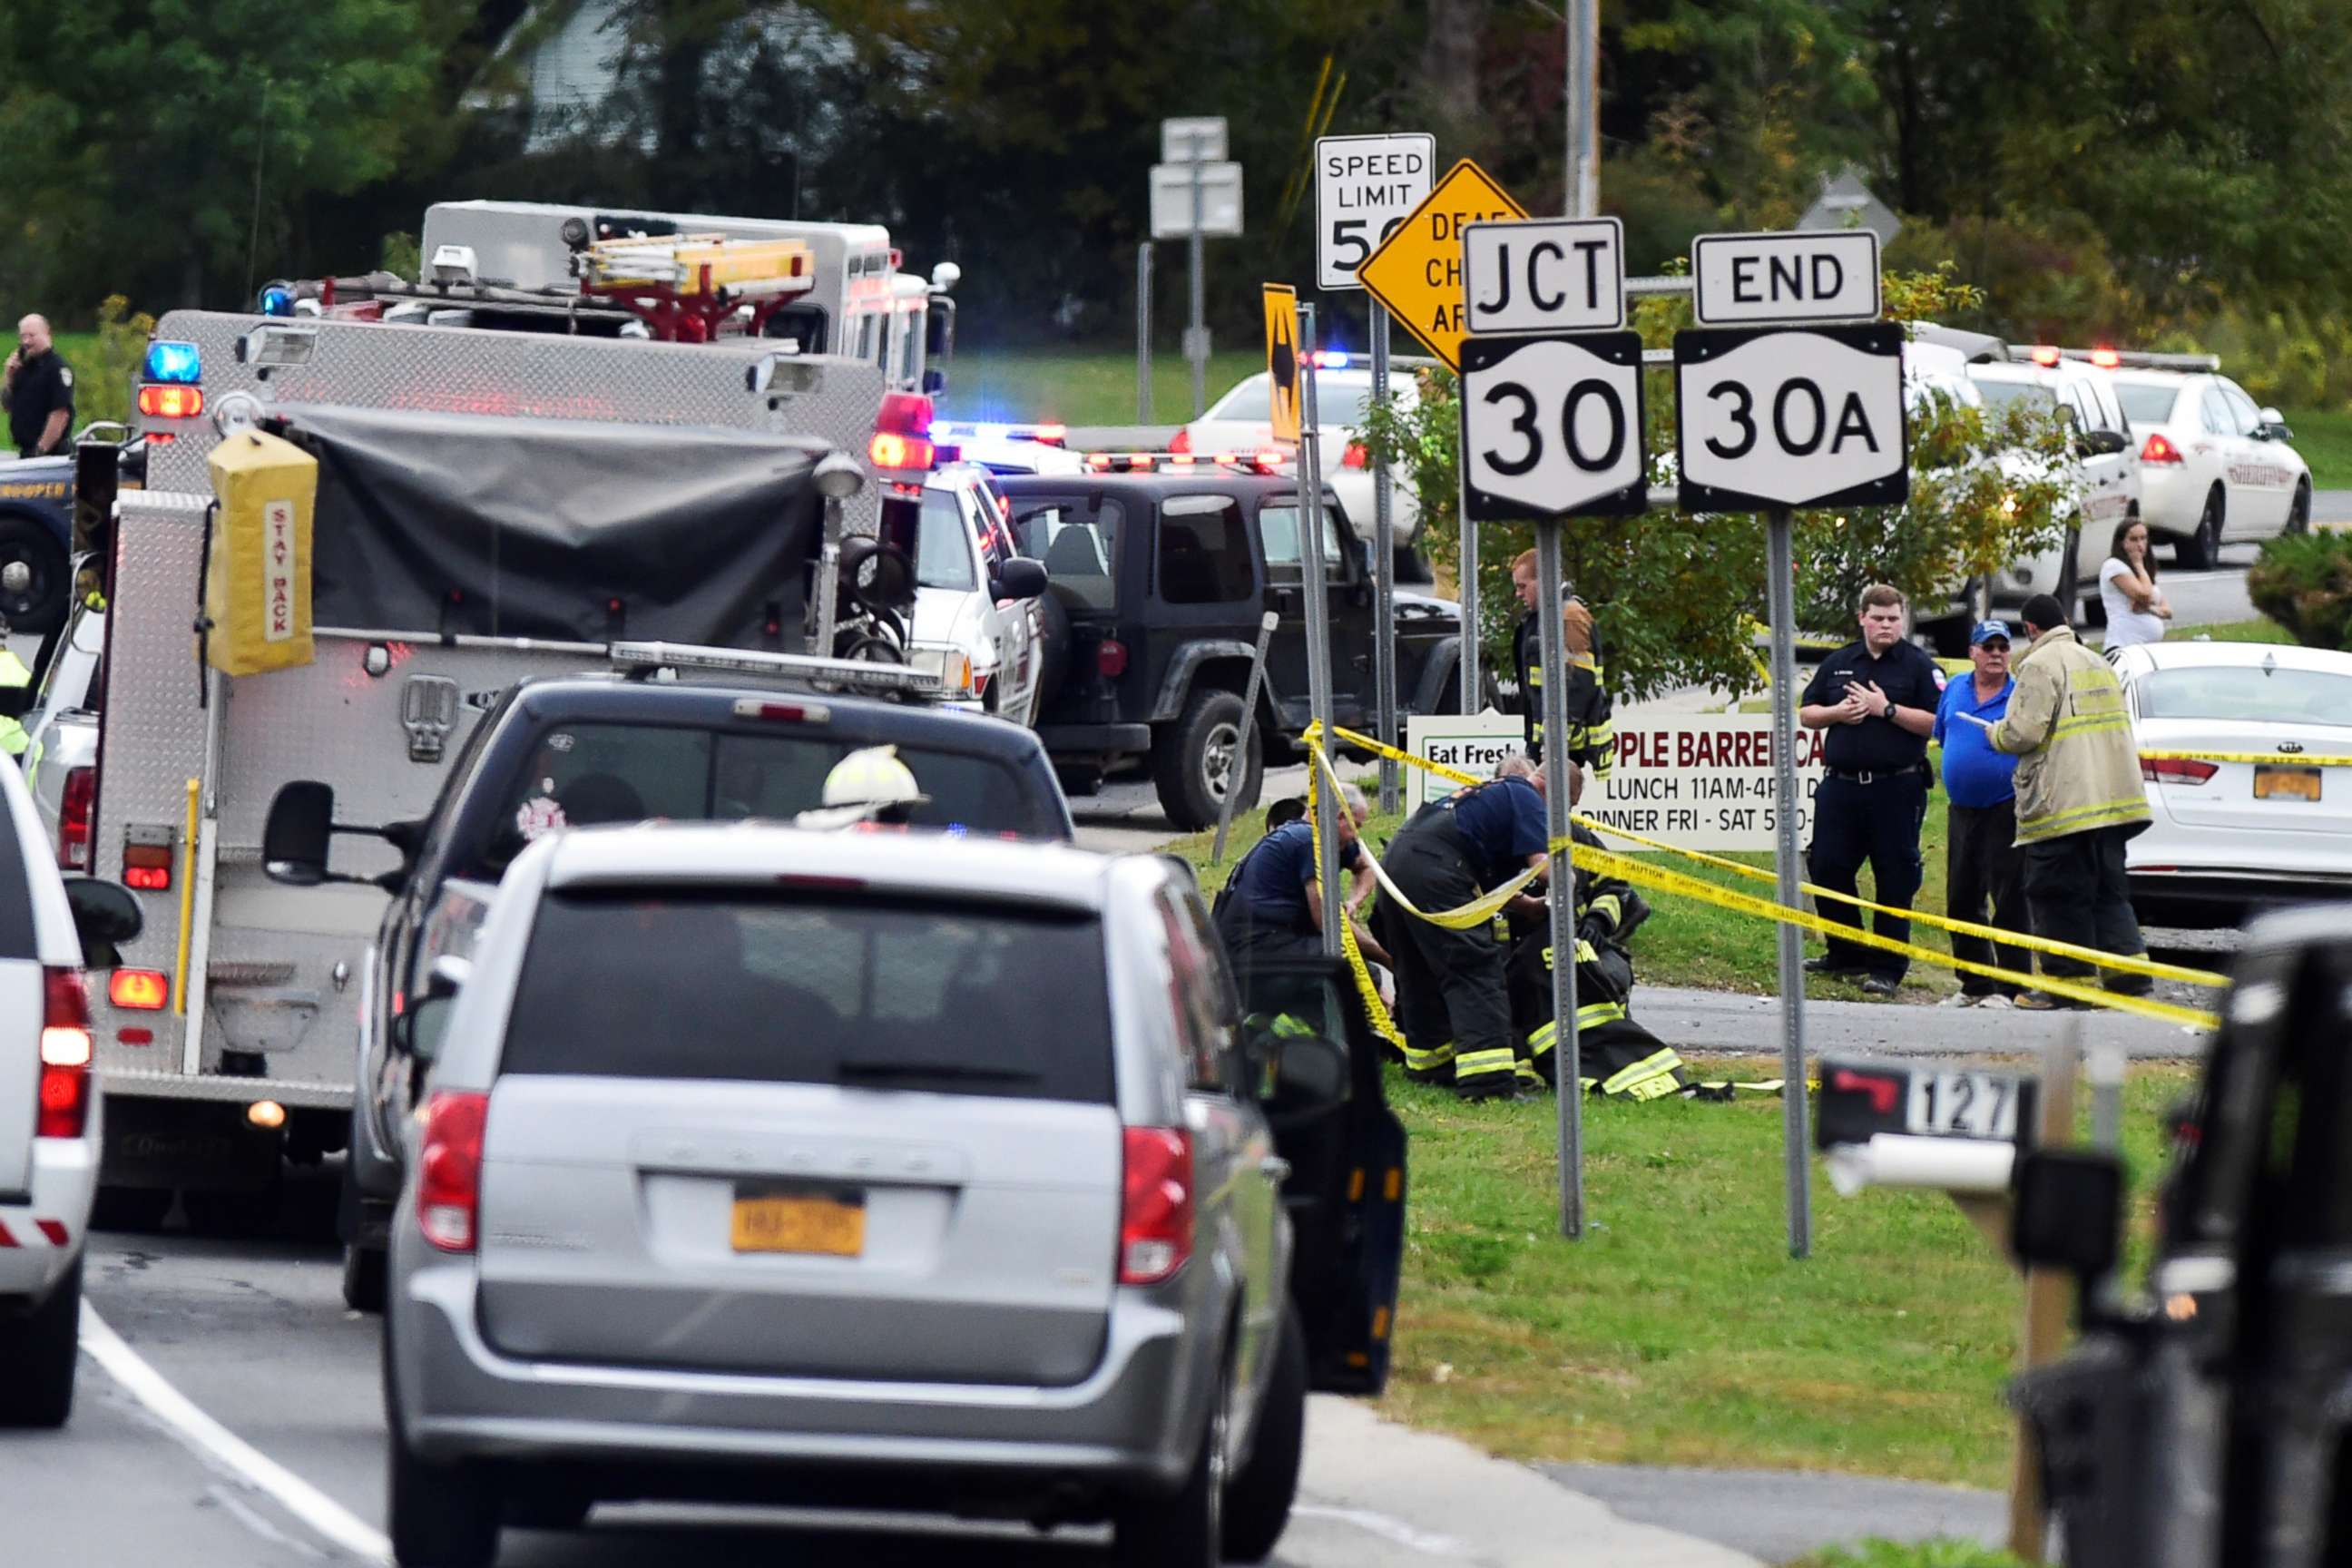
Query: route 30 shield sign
[(1551, 426)]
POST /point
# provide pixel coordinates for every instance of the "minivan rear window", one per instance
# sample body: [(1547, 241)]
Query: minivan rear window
[(584, 774), (865, 992)]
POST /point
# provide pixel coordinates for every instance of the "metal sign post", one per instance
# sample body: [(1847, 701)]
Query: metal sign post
[(1568, 1051), (1196, 334), (1385, 684), (1781, 609), (1311, 526), (1196, 194), (1143, 333)]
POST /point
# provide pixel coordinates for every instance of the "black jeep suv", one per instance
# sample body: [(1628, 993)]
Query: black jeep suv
[(1163, 579)]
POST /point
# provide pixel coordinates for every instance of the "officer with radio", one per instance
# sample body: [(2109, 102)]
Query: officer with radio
[(1876, 697)]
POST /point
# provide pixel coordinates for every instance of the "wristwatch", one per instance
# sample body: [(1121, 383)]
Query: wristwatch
[(1889, 712)]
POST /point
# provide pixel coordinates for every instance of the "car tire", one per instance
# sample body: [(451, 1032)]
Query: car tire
[(40, 1350), (2298, 511), (443, 1515), (365, 1271), (1195, 760), (1185, 1529), (1258, 1498), (549, 1503), (41, 607), (2203, 548)]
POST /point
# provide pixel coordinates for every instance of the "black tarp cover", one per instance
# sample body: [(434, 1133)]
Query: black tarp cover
[(431, 522)]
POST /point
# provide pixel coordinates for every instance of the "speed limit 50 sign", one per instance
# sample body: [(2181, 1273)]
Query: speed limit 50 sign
[(1790, 417), (1364, 187), (1551, 426)]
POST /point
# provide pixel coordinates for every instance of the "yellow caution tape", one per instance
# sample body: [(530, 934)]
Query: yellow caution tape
[(2132, 964), (2275, 758), (1374, 1008), (1643, 875)]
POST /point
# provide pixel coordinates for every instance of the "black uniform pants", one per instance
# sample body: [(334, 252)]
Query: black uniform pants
[(1453, 1001), (2075, 884), (1876, 822), (1983, 866)]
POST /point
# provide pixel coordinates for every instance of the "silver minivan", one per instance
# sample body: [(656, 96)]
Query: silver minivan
[(877, 1170)]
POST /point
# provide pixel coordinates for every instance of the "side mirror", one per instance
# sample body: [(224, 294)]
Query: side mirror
[(105, 915), (419, 1028), (294, 840), (2069, 1212), (1020, 578)]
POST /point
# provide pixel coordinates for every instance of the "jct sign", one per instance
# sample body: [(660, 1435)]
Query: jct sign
[(1701, 781)]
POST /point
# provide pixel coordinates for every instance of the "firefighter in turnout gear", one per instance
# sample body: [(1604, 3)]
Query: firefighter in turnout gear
[(1616, 1056), (1592, 738), (13, 674), (1451, 1002)]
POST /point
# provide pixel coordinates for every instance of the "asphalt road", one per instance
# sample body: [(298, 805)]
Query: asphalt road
[(229, 1416)]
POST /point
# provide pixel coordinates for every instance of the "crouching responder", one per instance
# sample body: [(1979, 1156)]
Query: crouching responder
[(1273, 902), (870, 787), (1617, 1055), (1451, 1002)]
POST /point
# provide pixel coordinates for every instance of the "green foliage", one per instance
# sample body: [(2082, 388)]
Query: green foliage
[(398, 253), (104, 372), (2303, 581), (1676, 594), (1943, 1552)]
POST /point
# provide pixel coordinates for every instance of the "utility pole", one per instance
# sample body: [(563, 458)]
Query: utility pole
[(1583, 108)]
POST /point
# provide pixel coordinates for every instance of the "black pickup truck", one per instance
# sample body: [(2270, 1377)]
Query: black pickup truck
[(2206, 1420), (581, 750), (1163, 579)]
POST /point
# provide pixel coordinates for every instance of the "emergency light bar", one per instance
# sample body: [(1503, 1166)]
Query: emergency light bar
[(1268, 461), (2117, 359), (1043, 435), (643, 658)]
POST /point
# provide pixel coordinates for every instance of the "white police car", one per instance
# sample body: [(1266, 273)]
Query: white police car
[(2213, 464)]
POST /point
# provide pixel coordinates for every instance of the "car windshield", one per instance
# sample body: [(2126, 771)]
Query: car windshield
[(584, 774), (2248, 693), (2147, 403), (827, 988), (942, 550), (2005, 395)]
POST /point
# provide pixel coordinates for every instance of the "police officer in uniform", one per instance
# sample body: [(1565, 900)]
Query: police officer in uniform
[(1452, 1004), (1592, 738), (37, 388), (1877, 697)]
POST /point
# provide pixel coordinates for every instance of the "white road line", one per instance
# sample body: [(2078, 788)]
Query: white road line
[(246, 1514), (216, 1443), (1394, 1530)]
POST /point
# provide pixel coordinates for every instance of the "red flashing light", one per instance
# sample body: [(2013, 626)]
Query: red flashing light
[(1050, 435), (1355, 457), (1182, 441), (449, 1173), (889, 449), (1155, 1221), (2045, 356), (171, 402), (138, 990), (148, 879), (2158, 449), (1269, 459), (2106, 359), (1111, 658)]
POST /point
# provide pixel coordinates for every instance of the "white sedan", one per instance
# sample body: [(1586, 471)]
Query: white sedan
[(2214, 468), (2229, 836), (1243, 421)]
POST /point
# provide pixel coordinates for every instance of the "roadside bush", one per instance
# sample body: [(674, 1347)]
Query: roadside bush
[(103, 390), (2304, 584)]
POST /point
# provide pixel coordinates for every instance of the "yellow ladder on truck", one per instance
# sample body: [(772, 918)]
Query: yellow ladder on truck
[(688, 265)]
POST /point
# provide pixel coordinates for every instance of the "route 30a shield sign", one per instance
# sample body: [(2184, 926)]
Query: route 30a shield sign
[(1790, 417), (1551, 426)]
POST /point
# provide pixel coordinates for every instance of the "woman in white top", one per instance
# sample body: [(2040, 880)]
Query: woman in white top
[(2135, 604)]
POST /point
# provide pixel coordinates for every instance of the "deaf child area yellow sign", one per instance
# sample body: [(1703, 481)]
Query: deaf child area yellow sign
[(1417, 271)]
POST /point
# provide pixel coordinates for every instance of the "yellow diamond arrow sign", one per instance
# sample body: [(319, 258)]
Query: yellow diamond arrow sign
[(1417, 271)]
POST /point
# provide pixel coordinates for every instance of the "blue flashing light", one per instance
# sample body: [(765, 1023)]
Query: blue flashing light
[(1331, 359), (276, 301), (174, 362)]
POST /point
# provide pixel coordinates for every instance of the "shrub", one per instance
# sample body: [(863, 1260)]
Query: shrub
[(103, 390), (2303, 581)]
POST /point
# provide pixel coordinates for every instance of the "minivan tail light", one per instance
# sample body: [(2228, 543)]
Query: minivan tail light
[(65, 1056), (76, 807), (449, 1175), (1155, 1221), (2158, 449)]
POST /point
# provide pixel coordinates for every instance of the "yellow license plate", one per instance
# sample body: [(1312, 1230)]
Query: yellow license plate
[(831, 1224), (2275, 783)]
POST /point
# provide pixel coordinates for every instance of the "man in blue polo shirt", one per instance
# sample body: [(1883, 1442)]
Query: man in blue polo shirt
[(1983, 864), (1272, 904)]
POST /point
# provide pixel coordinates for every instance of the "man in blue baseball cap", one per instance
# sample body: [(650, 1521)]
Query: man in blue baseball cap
[(1983, 864)]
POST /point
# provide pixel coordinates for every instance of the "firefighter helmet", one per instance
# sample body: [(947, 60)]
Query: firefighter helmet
[(870, 785)]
